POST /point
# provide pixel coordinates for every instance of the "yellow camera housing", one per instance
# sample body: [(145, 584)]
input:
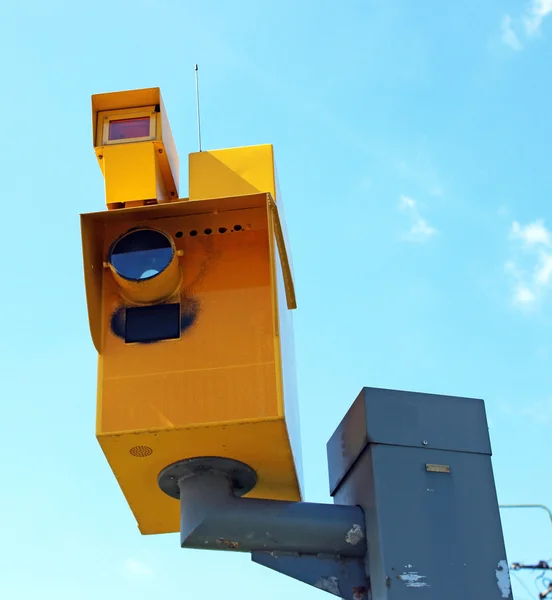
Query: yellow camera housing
[(189, 304), (135, 148)]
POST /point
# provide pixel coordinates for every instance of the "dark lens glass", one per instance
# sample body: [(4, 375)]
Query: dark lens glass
[(141, 254), (124, 129)]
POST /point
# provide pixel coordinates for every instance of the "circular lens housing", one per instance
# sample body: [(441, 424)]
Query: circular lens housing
[(141, 254)]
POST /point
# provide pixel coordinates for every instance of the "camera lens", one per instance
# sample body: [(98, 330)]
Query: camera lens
[(141, 254)]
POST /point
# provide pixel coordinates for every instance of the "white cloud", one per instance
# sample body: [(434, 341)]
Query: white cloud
[(406, 202), (543, 272), (523, 296), (535, 15), (509, 36), (532, 19), (135, 567), (531, 273), (534, 233), (420, 230)]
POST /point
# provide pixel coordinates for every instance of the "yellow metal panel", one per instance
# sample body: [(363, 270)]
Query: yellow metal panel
[(278, 232), (92, 254), (222, 367), (240, 171), (189, 398), (282, 223), (232, 172), (284, 341), (170, 163), (137, 458), (130, 173)]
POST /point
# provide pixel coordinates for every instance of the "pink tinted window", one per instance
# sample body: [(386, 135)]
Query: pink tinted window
[(124, 129)]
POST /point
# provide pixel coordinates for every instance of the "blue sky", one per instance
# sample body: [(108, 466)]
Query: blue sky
[(413, 149)]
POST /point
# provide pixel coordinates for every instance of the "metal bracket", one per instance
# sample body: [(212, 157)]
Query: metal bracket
[(242, 477), (323, 545)]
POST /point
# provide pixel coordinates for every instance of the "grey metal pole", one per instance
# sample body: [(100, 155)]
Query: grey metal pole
[(420, 467), (212, 517)]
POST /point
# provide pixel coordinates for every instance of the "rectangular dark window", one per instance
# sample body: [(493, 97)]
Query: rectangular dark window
[(124, 129), (146, 324)]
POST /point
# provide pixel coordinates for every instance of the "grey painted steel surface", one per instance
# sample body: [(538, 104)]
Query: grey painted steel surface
[(342, 577), (419, 465), (242, 478), (212, 517), (393, 417)]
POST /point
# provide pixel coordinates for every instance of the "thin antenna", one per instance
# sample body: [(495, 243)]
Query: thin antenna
[(197, 105)]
